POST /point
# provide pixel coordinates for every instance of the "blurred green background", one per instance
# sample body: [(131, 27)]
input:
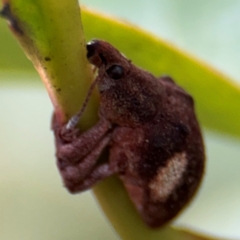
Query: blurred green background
[(33, 203)]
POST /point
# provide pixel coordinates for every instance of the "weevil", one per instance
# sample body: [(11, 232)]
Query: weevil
[(150, 129)]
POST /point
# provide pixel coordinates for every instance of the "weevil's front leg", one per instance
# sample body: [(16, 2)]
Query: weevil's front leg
[(71, 146), (101, 172), (77, 154), (81, 176)]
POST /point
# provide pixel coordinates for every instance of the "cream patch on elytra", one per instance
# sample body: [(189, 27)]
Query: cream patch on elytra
[(168, 178)]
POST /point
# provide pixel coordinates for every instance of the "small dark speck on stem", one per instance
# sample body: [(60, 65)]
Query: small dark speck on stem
[(47, 59), (57, 88)]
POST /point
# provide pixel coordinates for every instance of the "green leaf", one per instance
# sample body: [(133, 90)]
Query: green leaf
[(216, 96)]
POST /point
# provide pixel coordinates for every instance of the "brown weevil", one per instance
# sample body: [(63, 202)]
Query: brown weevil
[(150, 129)]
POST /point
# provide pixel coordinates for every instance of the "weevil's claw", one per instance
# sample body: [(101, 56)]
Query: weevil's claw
[(69, 135), (62, 133), (72, 123)]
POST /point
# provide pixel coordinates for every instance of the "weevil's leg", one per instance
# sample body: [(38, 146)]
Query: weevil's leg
[(101, 172), (79, 170), (80, 176), (76, 146)]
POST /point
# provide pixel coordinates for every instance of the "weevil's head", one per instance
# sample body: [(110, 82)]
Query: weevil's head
[(112, 66), (126, 90)]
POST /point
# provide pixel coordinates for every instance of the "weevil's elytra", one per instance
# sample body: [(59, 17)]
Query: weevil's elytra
[(150, 128), (168, 178)]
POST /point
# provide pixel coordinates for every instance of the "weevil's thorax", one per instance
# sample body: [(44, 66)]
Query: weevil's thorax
[(129, 95), (131, 101)]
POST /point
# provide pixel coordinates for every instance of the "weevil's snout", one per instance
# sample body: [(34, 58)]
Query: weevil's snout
[(101, 53), (91, 48), (93, 55)]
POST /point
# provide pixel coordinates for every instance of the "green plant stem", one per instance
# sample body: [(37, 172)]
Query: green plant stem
[(51, 34)]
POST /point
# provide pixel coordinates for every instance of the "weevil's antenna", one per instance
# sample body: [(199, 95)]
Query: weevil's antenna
[(73, 121)]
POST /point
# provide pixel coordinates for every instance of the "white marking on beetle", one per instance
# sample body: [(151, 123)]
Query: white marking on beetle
[(168, 177)]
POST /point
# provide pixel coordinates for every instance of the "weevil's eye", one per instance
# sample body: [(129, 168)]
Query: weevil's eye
[(115, 72)]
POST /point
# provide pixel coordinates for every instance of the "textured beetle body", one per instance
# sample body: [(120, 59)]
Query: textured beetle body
[(149, 125), (161, 162)]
